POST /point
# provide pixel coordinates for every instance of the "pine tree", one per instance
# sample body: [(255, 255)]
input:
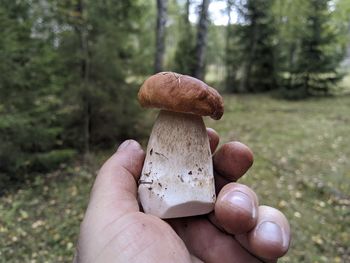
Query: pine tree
[(70, 70), (30, 121), (184, 59), (201, 41), (253, 48), (315, 68), (102, 104)]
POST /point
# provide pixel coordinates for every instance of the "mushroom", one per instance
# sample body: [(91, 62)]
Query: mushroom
[(177, 177)]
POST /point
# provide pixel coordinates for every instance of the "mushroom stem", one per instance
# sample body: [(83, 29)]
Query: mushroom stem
[(177, 177)]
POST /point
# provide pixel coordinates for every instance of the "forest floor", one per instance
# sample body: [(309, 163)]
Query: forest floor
[(302, 166)]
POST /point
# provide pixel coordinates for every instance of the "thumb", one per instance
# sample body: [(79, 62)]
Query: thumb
[(115, 189)]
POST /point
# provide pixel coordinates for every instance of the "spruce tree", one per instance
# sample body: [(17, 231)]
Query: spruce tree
[(315, 69), (100, 48), (253, 49), (184, 59), (30, 121), (70, 71)]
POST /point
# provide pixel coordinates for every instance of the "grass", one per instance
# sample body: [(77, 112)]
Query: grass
[(302, 166)]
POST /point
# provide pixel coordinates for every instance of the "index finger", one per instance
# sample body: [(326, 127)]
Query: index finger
[(213, 139), (233, 160)]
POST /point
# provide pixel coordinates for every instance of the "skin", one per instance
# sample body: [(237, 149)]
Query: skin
[(238, 231)]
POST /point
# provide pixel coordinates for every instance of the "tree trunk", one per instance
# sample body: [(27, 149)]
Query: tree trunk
[(227, 44), (201, 43), (228, 27), (162, 6), (346, 61), (187, 14), (84, 75), (246, 80)]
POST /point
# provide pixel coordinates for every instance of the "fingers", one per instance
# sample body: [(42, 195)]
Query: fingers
[(220, 182), (233, 160), (115, 187), (213, 139), (236, 208), (208, 243), (264, 231), (270, 238), (195, 259)]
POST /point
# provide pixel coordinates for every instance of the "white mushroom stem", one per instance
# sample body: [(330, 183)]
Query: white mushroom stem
[(177, 177)]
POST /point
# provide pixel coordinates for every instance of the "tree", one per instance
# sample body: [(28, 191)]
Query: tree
[(82, 32), (341, 21), (231, 46), (30, 122), (184, 59), (287, 15), (315, 68), (160, 34), (101, 102), (70, 74), (253, 49), (201, 41), (229, 7)]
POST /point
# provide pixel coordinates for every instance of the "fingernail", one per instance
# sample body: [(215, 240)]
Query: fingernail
[(270, 232), (242, 201), (124, 145)]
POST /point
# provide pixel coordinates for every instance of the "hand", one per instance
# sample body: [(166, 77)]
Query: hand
[(114, 229)]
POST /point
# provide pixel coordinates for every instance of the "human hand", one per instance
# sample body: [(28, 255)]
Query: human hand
[(114, 229)]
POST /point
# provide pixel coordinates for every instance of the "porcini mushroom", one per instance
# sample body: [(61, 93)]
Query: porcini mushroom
[(177, 177)]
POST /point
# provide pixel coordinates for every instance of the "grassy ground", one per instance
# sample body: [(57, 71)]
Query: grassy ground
[(302, 166)]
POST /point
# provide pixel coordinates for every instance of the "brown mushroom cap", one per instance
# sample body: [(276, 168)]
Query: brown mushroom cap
[(180, 93)]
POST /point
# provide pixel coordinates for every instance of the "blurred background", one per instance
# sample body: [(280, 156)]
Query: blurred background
[(69, 75)]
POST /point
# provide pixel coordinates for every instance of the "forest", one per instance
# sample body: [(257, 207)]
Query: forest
[(70, 71)]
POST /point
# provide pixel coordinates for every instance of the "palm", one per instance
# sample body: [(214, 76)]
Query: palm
[(145, 238)]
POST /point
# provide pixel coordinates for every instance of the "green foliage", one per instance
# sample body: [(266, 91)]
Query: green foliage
[(233, 59), (70, 69), (27, 144), (104, 38), (251, 61), (315, 68), (70, 72), (340, 23), (183, 58), (28, 91), (184, 53), (47, 161), (294, 46), (215, 57)]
